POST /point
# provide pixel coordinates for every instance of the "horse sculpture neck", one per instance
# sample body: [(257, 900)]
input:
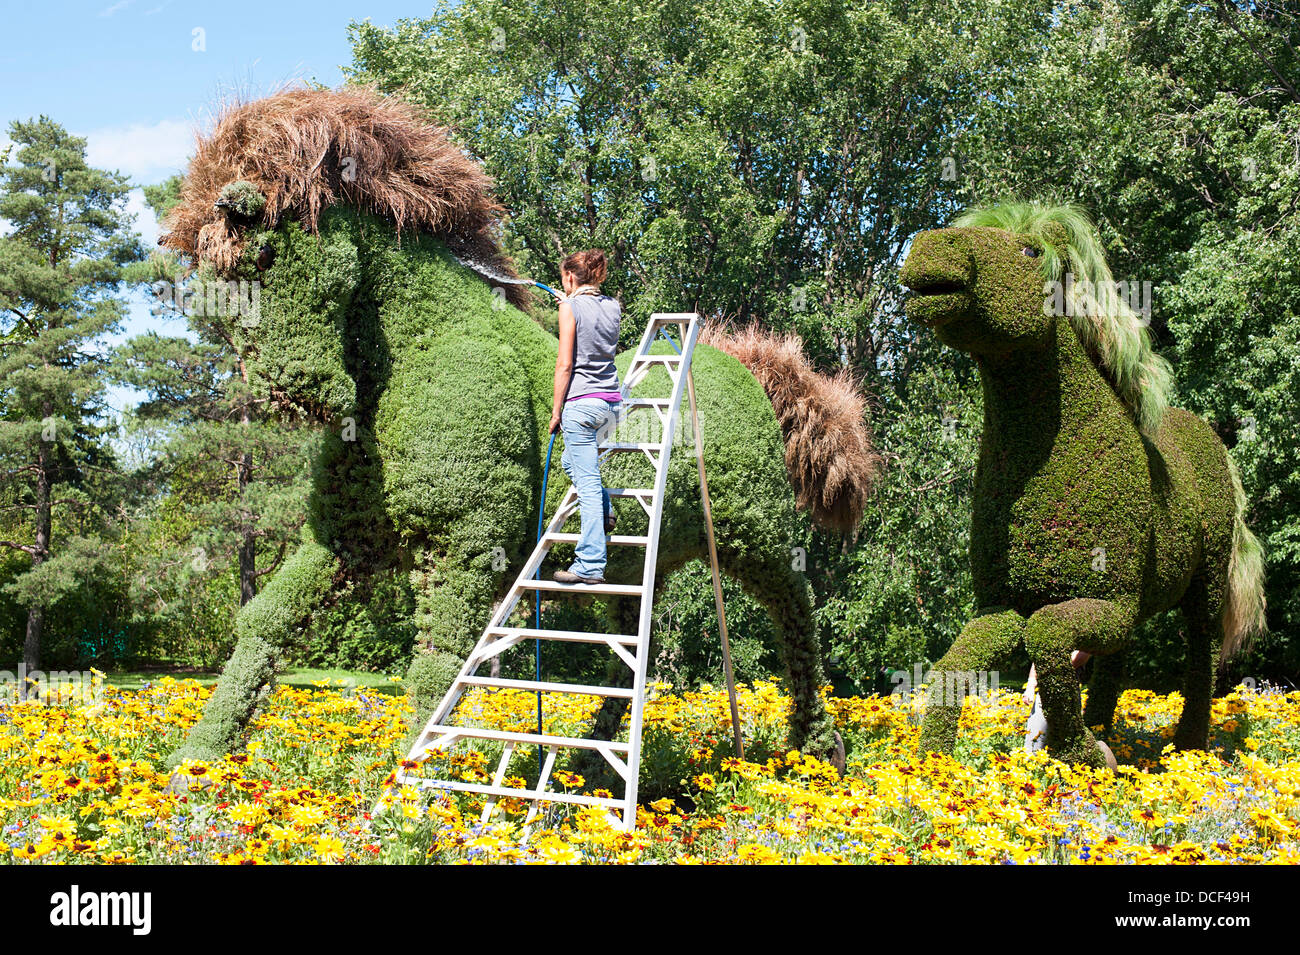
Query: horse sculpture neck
[(1034, 398)]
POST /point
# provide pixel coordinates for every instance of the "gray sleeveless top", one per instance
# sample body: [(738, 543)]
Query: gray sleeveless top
[(596, 340)]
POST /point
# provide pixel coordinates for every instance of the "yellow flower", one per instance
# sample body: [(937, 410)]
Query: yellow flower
[(329, 848), (247, 813), (759, 855)]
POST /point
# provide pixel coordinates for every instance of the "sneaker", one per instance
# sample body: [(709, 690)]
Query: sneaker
[(568, 577)]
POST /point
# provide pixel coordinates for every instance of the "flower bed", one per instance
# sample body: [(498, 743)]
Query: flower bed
[(84, 783)]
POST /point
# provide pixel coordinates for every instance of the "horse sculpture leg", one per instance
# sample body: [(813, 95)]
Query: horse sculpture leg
[(1202, 608), (786, 596), (454, 594), (262, 627), (1051, 634), (990, 636)]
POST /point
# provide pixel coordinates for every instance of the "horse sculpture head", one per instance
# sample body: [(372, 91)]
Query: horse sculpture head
[(289, 194), (1011, 278)]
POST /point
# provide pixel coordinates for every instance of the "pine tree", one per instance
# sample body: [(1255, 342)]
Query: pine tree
[(230, 477), (61, 267)]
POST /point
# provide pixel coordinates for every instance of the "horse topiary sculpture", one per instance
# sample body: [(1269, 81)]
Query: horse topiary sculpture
[(435, 390), (1096, 505)]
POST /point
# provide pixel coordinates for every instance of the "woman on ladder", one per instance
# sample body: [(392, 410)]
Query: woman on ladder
[(586, 402)]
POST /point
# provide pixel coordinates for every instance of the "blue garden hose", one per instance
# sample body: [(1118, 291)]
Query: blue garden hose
[(537, 595)]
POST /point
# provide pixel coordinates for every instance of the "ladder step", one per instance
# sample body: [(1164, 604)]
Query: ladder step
[(628, 540), (624, 693), (647, 402), (629, 447), (573, 636), (630, 491), (626, 590), (479, 732), (422, 783)]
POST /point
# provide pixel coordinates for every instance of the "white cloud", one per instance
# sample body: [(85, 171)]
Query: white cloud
[(146, 223), (120, 5), (146, 153)]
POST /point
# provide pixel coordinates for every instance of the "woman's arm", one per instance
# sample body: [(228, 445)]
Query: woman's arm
[(563, 363)]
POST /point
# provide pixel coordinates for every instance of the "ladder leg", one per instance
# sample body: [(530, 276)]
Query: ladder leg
[(717, 578), (506, 752)]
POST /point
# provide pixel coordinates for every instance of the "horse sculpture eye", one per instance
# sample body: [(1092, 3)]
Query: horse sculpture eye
[(1031, 252), (265, 256)]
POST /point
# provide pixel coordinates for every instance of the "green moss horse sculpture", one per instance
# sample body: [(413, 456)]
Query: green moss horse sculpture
[(1096, 505), (435, 389)]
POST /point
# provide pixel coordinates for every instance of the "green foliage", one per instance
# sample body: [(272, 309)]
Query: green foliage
[(742, 157), (897, 598), (689, 646), (1236, 320)]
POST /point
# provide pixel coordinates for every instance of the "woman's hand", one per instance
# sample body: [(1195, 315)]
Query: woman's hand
[(555, 422)]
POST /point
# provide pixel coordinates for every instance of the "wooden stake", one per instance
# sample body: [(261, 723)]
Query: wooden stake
[(717, 579)]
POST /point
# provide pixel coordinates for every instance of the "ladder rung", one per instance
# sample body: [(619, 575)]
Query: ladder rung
[(479, 732), (626, 590), (499, 683), (647, 402), (573, 636), (630, 447), (628, 540), (630, 491), (422, 783)]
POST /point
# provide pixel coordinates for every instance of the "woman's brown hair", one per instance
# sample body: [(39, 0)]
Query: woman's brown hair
[(587, 267)]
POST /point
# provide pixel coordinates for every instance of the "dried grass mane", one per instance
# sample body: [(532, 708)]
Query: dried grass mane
[(309, 149)]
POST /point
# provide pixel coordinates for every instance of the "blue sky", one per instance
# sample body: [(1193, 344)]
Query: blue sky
[(135, 78)]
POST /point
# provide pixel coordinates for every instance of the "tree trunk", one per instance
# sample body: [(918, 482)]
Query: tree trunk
[(41, 548)]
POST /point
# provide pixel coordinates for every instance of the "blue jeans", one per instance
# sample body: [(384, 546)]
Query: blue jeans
[(584, 422)]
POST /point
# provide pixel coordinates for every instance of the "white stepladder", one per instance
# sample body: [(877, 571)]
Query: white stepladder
[(632, 649)]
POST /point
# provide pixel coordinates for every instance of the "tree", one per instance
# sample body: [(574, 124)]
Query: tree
[(226, 485), (742, 158), (61, 266)]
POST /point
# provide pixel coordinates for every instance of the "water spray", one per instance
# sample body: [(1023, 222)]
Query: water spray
[(494, 276)]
